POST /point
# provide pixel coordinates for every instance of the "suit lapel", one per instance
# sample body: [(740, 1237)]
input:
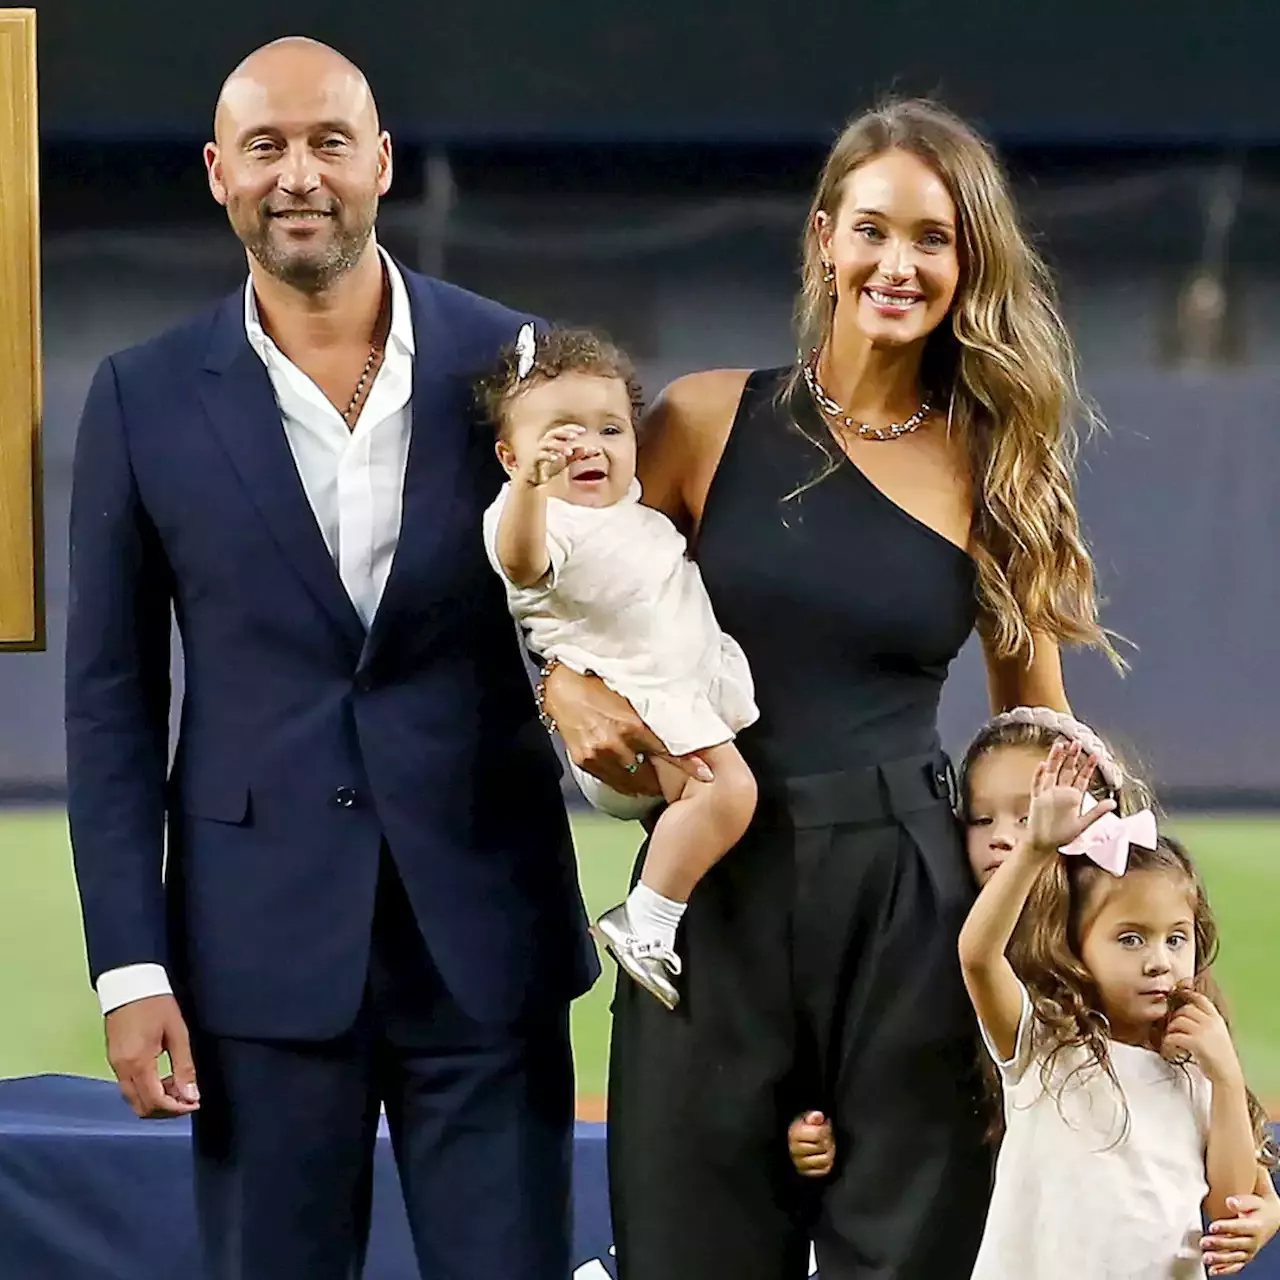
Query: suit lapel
[(237, 395), (437, 447)]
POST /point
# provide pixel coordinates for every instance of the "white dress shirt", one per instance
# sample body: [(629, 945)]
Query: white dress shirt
[(354, 481)]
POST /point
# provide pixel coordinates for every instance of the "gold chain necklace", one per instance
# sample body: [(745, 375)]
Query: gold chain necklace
[(862, 430)]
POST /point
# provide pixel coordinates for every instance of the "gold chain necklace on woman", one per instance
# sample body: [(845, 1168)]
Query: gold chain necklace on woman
[(863, 430)]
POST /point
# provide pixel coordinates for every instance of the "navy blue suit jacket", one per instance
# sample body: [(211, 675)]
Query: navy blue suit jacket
[(304, 742)]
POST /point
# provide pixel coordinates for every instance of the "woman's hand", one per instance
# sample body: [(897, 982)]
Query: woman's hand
[(1235, 1242), (1058, 790), (604, 736)]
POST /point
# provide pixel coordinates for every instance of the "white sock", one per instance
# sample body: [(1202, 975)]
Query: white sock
[(654, 917)]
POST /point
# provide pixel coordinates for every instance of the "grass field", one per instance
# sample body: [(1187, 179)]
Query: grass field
[(52, 1024)]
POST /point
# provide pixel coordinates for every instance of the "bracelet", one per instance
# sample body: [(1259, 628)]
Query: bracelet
[(540, 695)]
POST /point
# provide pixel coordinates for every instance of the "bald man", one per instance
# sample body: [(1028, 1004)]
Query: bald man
[(369, 895)]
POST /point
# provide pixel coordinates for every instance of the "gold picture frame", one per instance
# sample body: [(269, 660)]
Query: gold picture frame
[(22, 611)]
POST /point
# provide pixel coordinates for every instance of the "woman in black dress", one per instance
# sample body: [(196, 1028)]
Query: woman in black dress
[(854, 517)]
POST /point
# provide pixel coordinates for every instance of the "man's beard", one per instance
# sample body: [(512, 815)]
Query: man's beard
[(305, 269)]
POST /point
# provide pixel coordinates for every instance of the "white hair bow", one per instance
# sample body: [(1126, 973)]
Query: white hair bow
[(526, 346)]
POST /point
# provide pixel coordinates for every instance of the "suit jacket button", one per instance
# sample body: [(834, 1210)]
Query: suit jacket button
[(345, 797), (364, 681)]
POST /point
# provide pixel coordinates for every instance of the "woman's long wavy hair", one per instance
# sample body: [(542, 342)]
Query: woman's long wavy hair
[(1065, 997), (1004, 365)]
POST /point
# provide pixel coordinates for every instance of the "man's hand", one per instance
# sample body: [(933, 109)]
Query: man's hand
[(604, 736), (137, 1034)]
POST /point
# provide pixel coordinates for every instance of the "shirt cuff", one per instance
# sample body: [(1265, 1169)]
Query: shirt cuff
[(132, 982)]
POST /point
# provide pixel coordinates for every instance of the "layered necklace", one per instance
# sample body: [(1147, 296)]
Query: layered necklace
[(841, 420)]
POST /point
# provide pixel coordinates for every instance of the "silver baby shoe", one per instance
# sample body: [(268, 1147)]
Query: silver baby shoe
[(651, 964)]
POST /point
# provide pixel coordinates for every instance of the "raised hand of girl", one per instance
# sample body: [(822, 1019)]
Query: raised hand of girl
[(1058, 790)]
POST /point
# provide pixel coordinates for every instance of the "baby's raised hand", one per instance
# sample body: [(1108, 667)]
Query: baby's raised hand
[(1058, 790), (553, 454)]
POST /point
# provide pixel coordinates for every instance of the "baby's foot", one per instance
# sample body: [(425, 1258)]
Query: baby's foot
[(812, 1145), (650, 963)]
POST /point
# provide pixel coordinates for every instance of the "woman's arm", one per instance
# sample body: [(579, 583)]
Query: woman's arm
[(1013, 682), (682, 438)]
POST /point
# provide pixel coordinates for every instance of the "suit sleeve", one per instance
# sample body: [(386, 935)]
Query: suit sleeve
[(117, 694)]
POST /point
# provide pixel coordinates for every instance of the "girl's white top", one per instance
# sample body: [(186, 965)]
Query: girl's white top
[(624, 600), (1077, 1195)]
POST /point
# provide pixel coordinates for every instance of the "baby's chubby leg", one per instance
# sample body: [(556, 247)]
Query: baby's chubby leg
[(701, 823)]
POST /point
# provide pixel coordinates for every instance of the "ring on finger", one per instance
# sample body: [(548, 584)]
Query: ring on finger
[(634, 766)]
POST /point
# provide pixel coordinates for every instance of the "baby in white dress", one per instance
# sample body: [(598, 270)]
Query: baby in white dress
[(603, 584)]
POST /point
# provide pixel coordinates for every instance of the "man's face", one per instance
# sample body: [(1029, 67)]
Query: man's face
[(299, 163)]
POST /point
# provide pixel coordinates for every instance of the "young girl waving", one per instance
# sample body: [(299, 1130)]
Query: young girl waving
[(995, 785), (1126, 1111)]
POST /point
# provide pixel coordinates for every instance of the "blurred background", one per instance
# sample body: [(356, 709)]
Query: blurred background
[(646, 168)]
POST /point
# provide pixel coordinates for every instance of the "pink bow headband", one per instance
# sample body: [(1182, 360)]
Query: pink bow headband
[(1106, 843)]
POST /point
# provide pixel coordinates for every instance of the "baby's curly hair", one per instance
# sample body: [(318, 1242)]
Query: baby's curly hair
[(557, 351)]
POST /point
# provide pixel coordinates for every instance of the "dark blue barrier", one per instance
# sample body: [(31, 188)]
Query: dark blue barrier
[(89, 1192)]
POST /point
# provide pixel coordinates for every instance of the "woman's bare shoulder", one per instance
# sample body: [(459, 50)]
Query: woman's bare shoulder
[(683, 436), (701, 401)]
